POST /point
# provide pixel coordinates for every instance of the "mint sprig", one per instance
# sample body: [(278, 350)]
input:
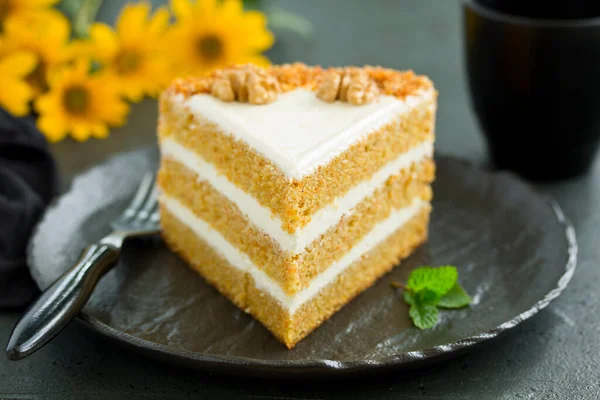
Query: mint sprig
[(455, 298), (430, 288)]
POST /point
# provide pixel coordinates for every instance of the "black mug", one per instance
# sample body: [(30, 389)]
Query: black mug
[(535, 89), (546, 9)]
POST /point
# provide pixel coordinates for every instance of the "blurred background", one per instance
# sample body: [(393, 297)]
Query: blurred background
[(423, 35)]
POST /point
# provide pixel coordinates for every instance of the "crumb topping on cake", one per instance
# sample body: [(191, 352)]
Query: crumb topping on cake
[(256, 85)]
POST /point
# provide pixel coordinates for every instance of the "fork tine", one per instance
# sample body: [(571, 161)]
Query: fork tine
[(149, 205), (155, 217), (154, 209), (140, 196)]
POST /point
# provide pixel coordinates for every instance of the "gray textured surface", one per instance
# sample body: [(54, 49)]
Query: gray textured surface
[(556, 355)]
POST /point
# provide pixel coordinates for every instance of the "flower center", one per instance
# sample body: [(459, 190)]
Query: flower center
[(5, 9), (75, 99), (127, 62), (37, 77), (210, 47)]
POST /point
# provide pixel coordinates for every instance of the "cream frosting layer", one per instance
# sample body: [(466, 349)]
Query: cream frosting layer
[(269, 223), (262, 281), (300, 132)]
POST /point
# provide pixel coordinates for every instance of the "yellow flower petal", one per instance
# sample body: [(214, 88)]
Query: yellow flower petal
[(15, 93), (208, 7), (80, 131), (117, 113), (133, 93), (15, 97), (159, 22), (234, 34), (99, 131), (257, 59), (232, 8), (44, 34), (44, 3), (182, 9), (55, 129), (83, 68), (58, 31), (80, 103), (104, 41), (256, 35), (132, 21), (45, 103), (137, 58), (49, 26), (18, 64), (80, 48)]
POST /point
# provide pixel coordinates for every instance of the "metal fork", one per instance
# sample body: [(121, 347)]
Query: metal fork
[(63, 300)]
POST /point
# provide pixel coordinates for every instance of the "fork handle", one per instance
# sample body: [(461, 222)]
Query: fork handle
[(61, 302)]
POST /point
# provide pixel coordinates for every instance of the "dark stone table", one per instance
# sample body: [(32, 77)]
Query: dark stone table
[(556, 355)]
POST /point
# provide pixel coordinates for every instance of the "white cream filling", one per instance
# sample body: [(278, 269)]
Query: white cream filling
[(264, 219), (299, 132), (242, 262)]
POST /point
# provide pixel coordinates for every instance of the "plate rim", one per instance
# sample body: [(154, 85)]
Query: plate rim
[(291, 367)]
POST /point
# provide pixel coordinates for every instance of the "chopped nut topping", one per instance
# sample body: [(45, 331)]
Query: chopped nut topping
[(249, 84), (360, 86), (360, 93), (352, 85), (222, 89), (262, 88), (330, 87), (238, 83), (344, 85)]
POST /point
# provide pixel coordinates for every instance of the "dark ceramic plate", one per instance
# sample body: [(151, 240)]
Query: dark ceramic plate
[(514, 250)]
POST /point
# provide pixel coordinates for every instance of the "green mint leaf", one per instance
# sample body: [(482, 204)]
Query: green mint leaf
[(428, 297), (438, 280), (429, 288), (455, 298), (424, 316), (425, 296)]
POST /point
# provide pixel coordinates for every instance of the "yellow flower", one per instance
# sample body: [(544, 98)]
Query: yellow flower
[(15, 93), (130, 54), (210, 34), (17, 9), (80, 103), (46, 36)]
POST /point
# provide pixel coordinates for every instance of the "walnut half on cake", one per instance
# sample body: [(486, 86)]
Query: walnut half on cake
[(292, 189)]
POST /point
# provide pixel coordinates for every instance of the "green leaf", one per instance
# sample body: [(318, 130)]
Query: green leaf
[(251, 4), (429, 288), (285, 20), (424, 316), (425, 296), (455, 298), (70, 7), (439, 280), (82, 14), (429, 297)]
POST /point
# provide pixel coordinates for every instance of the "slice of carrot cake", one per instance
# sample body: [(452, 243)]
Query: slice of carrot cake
[(292, 189)]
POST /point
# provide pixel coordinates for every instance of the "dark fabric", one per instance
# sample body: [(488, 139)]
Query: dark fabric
[(28, 181)]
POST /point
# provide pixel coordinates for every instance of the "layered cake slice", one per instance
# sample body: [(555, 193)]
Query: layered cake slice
[(292, 189)]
